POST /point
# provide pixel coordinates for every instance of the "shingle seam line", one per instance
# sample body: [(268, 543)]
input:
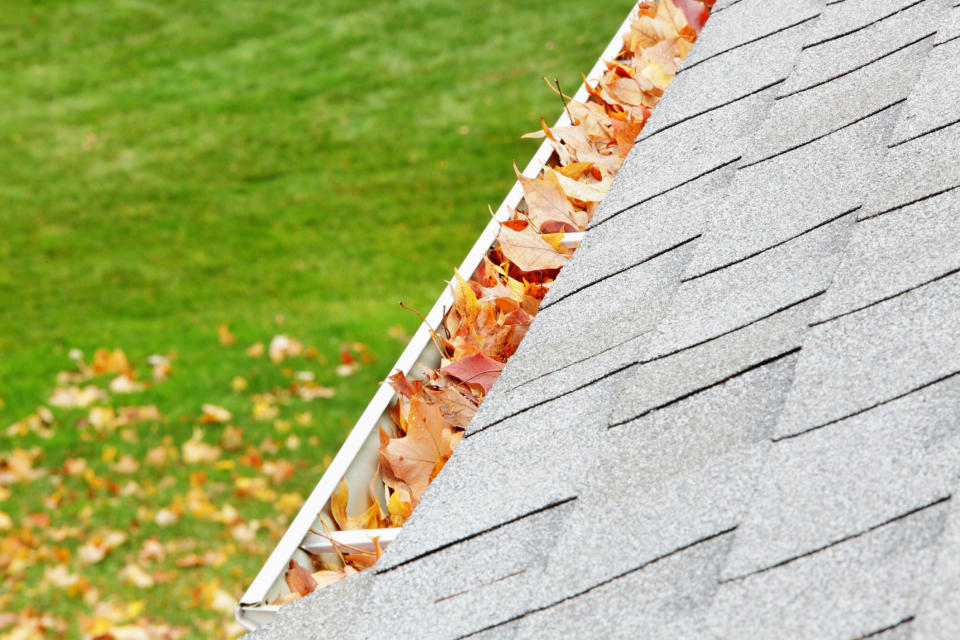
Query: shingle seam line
[(583, 592), (858, 67), (734, 330), (443, 547), (582, 360), (711, 109), (716, 11), (861, 28), (618, 272), (694, 345), (769, 248), (479, 586), (666, 191), (839, 541), (885, 298), (925, 133), (551, 399), (889, 627), (910, 203), (822, 136), (856, 413), (948, 40), (722, 381), (748, 42)]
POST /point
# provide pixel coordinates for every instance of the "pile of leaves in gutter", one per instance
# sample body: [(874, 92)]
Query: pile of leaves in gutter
[(494, 307)]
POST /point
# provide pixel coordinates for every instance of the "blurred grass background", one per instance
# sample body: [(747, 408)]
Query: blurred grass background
[(283, 167)]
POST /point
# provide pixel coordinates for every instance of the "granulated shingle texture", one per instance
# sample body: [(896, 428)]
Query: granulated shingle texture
[(738, 412)]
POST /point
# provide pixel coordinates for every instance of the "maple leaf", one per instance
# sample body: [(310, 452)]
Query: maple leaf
[(456, 408), (410, 461), (546, 200), (403, 385), (528, 251), (477, 369)]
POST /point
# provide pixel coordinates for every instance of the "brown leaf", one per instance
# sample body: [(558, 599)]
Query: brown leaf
[(403, 385), (546, 200), (526, 250), (299, 579), (476, 369), (410, 461)]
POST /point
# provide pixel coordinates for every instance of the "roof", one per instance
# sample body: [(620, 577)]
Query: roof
[(738, 412)]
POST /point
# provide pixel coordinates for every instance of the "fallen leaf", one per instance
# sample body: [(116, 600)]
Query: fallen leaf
[(528, 251), (477, 369), (299, 579)]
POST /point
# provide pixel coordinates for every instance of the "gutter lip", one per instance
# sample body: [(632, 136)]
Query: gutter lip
[(253, 600)]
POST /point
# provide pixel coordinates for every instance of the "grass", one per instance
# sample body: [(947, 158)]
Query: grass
[(283, 167)]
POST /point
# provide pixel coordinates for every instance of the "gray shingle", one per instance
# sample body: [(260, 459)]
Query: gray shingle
[(662, 380), (536, 390), (935, 101), (753, 288), (623, 607), (690, 475), (899, 345), (845, 591), (833, 58), (815, 113), (703, 89), (915, 170), (791, 194), (600, 315), (939, 612), (523, 461), (494, 577), (749, 21), (891, 254), (841, 18), (950, 30), (637, 234), (837, 481)]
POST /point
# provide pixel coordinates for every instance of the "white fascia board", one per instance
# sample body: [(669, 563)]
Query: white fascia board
[(277, 562)]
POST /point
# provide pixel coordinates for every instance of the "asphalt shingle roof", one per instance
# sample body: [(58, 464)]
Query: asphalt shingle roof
[(738, 413)]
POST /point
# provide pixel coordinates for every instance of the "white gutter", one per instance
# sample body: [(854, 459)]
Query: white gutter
[(252, 611)]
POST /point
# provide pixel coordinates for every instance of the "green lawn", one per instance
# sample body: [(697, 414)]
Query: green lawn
[(167, 167)]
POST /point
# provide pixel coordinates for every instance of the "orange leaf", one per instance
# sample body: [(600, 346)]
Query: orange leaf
[(546, 200), (338, 504), (403, 385), (528, 251), (299, 579), (476, 369), (410, 461)]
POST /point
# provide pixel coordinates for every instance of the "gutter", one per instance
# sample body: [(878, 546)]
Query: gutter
[(358, 457)]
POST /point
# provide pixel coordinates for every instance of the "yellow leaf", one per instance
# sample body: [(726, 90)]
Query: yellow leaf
[(338, 504), (528, 251)]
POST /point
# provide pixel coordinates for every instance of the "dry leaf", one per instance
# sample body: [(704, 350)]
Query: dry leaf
[(528, 251)]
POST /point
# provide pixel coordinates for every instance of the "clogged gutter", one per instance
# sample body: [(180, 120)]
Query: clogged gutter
[(493, 308)]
